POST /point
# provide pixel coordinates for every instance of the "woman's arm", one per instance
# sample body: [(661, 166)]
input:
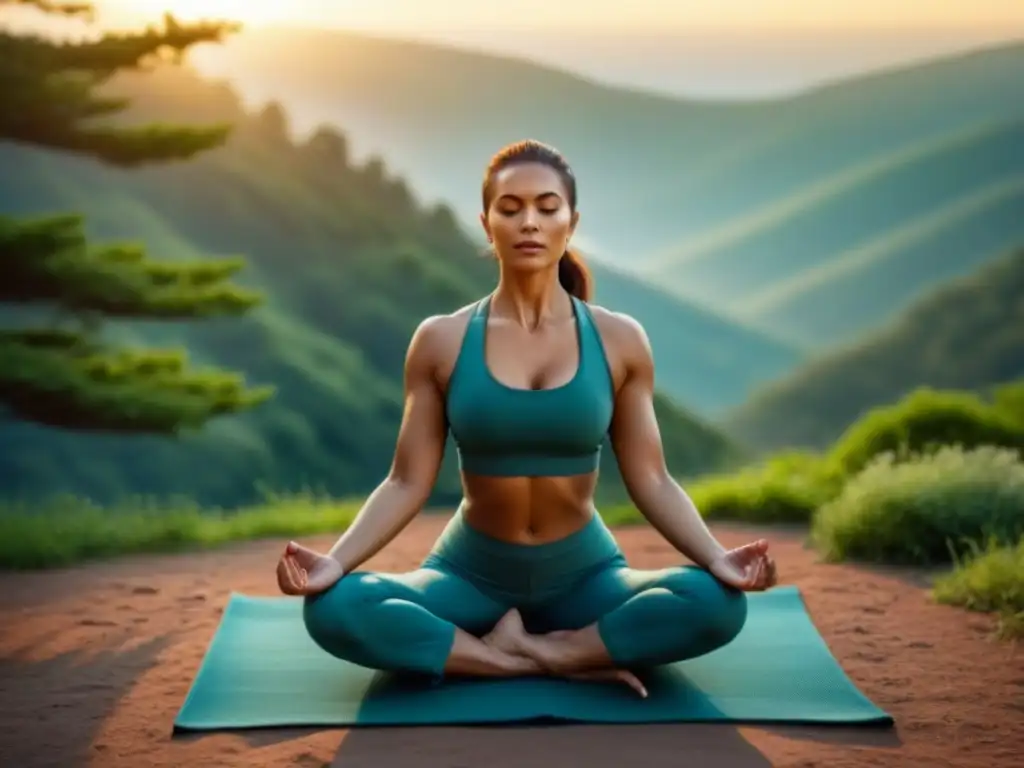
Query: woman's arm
[(636, 439), (417, 460)]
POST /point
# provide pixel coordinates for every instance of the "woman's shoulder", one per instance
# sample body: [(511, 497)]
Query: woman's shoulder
[(438, 336), (618, 329), (439, 325)]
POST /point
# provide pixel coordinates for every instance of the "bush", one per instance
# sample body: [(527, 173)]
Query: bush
[(788, 488), (1009, 400), (924, 421), (785, 489), (926, 510), (989, 580), (70, 530)]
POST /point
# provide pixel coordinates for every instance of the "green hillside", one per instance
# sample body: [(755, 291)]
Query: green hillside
[(655, 171), (805, 140), (703, 359), (439, 113), (967, 334), (349, 261), (842, 254), (732, 357)]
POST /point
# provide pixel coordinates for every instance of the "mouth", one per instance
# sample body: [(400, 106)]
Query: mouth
[(529, 246)]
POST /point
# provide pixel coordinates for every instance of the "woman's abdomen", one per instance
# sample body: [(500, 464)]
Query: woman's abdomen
[(528, 510)]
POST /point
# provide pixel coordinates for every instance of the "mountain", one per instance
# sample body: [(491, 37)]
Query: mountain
[(967, 334), (439, 113), (838, 256), (731, 357), (702, 358), (350, 262), (660, 178)]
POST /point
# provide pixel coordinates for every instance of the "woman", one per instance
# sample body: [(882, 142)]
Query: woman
[(526, 579)]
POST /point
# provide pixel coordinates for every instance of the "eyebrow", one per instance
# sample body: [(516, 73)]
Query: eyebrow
[(541, 196)]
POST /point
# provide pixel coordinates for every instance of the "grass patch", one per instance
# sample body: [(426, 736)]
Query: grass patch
[(786, 488), (924, 510), (927, 420), (989, 580), (69, 530)]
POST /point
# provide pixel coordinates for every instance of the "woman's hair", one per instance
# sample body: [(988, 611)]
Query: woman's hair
[(572, 271)]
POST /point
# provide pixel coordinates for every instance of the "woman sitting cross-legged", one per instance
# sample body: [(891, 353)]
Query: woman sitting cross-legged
[(526, 579)]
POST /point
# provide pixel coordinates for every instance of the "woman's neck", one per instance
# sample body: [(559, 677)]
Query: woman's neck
[(531, 299)]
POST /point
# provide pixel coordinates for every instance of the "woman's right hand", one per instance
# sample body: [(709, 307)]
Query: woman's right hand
[(301, 571)]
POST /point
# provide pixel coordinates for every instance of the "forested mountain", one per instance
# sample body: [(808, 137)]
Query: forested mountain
[(967, 334), (348, 261), (811, 218)]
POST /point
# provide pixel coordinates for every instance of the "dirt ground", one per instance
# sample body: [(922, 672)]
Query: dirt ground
[(96, 660)]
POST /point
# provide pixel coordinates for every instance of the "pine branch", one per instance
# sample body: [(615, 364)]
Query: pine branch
[(132, 147), (68, 383), (50, 97), (48, 261), (86, 10), (114, 51), (68, 379)]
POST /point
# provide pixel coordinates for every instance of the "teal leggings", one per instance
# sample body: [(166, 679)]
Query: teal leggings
[(406, 622)]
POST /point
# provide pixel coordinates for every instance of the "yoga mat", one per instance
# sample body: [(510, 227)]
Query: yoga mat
[(262, 669)]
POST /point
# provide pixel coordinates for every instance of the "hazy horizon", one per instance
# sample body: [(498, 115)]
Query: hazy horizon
[(723, 64), (736, 49)]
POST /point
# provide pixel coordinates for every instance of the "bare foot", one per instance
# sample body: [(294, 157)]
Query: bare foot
[(510, 636), (612, 675)]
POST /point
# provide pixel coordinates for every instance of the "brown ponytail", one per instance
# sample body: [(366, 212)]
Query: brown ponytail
[(574, 275)]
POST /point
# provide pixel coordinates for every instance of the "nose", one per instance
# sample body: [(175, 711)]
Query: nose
[(529, 223)]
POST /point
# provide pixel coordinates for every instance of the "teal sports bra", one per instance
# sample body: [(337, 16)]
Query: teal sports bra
[(510, 432)]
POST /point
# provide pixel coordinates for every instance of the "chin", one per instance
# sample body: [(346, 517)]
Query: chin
[(528, 263)]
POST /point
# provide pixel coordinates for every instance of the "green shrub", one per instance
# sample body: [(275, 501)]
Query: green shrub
[(990, 580), (70, 530), (924, 421), (787, 488), (925, 510), (1009, 400)]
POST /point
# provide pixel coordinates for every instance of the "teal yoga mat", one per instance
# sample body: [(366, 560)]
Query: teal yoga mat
[(262, 670)]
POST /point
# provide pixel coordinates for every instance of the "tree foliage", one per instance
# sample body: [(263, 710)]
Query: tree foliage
[(64, 375)]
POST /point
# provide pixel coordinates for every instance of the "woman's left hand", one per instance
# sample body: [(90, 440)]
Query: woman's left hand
[(748, 568)]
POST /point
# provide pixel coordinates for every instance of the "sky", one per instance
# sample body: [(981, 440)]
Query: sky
[(691, 48), (448, 15)]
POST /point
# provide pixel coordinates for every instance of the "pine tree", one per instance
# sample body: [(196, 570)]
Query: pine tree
[(65, 375)]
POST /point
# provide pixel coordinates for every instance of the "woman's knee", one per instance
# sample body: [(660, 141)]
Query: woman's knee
[(337, 618), (722, 609)]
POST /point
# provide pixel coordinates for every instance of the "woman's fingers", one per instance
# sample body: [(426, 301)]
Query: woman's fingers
[(290, 578), (755, 574), (298, 575), (750, 572), (304, 556), (752, 575), (765, 574), (283, 576), (754, 548), (745, 554), (755, 581)]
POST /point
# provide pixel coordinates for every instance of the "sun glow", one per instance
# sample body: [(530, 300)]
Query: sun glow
[(253, 12), (418, 16)]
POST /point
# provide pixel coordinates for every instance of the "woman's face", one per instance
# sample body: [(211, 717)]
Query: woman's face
[(529, 221)]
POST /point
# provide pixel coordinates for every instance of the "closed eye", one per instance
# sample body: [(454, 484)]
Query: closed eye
[(545, 201)]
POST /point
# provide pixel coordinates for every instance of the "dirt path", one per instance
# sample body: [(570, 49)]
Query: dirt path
[(95, 662)]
